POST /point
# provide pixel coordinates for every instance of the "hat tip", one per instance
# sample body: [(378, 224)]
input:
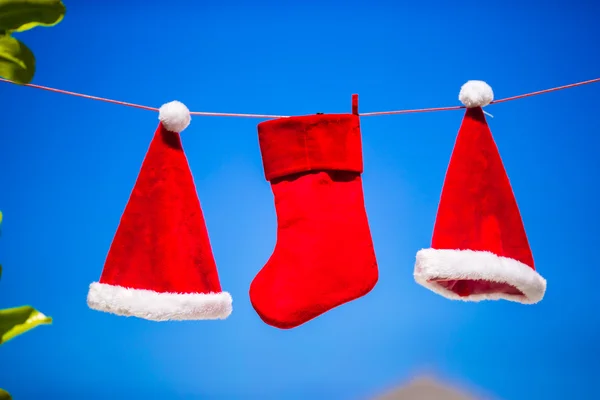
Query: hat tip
[(174, 116), (476, 94)]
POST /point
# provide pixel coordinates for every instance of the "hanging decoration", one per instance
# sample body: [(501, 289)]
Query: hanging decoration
[(479, 249), (163, 268), (324, 253), (160, 265)]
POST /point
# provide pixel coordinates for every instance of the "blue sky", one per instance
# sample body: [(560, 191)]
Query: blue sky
[(67, 166)]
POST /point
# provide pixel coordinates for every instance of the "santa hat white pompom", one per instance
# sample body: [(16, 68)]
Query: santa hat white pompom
[(476, 94), (174, 116)]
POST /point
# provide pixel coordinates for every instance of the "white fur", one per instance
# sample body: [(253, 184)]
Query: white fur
[(483, 265), (476, 94), (156, 306), (174, 116)]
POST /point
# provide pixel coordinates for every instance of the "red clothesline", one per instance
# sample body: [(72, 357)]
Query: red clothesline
[(369, 114)]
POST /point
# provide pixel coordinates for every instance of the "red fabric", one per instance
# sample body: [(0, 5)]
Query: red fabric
[(161, 243), (324, 253), (478, 210), (301, 144)]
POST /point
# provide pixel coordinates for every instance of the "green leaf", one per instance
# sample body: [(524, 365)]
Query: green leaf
[(22, 15), (4, 395), (17, 62), (18, 320)]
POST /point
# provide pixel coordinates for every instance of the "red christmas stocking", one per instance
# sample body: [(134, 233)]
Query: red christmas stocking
[(324, 255)]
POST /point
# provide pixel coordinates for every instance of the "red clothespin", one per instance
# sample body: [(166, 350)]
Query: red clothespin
[(355, 104)]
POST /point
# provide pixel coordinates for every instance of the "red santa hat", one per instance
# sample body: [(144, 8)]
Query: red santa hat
[(160, 265), (479, 249)]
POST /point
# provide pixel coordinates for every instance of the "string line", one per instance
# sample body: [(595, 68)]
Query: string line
[(267, 116)]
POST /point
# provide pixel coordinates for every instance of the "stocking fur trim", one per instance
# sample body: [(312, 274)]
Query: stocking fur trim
[(478, 265), (155, 306)]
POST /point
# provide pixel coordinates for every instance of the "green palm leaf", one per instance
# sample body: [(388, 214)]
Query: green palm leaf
[(18, 320), (17, 62), (22, 15)]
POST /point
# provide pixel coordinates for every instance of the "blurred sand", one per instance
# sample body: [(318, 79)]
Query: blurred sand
[(426, 388)]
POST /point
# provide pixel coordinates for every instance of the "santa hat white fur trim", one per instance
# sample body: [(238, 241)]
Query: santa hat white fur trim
[(481, 265), (174, 116), (156, 306), (476, 94)]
